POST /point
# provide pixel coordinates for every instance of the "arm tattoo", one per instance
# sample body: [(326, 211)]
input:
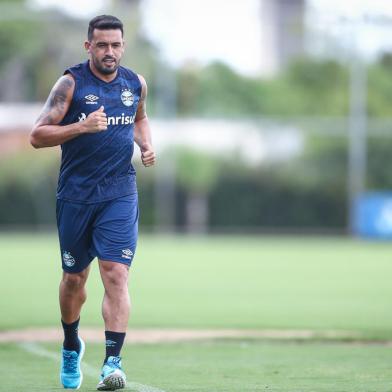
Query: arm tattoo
[(141, 108), (55, 103)]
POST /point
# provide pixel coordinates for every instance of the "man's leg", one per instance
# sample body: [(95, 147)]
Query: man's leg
[(72, 297), (115, 312), (114, 239), (116, 303), (75, 223), (72, 294)]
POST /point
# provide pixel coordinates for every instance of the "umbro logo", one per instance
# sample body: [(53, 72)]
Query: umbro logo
[(127, 254), (91, 99), (110, 343)]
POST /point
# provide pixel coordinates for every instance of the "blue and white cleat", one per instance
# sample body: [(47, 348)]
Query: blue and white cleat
[(112, 376), (71, 375)]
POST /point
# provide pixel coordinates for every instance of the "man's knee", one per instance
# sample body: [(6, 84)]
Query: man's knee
[(75, 281), (114, 274)]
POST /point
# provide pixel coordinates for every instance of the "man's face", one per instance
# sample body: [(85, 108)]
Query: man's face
[(106, 49)]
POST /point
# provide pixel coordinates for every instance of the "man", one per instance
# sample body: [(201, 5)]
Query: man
[(96, 111)]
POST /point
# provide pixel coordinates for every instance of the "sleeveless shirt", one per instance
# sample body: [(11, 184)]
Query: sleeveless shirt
[(97, 167)]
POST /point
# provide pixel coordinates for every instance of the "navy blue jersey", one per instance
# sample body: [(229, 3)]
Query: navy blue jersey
[(97, 166)]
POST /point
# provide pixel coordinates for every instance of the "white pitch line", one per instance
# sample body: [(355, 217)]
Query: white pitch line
[(88, 370)]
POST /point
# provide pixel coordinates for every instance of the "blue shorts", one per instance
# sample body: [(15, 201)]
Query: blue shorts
[(107, 230)]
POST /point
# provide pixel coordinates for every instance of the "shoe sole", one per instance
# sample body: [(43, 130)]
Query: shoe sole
[(82, 349), (112, 382)]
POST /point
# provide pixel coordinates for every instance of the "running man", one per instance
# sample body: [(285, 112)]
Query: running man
[(96, 111)]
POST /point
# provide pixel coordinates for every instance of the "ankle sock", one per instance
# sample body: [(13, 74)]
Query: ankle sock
[(114, 343), (71, 340)]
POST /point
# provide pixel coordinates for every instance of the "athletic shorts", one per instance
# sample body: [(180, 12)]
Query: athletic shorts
[(107, 230)]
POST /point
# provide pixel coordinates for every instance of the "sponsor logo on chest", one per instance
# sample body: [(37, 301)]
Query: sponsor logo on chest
[(114, 120)]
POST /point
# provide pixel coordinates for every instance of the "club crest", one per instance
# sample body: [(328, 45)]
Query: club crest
[(68, 259), (127, 97)]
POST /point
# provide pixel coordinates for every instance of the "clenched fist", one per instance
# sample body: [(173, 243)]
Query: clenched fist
[(148, 155), (95, 122)]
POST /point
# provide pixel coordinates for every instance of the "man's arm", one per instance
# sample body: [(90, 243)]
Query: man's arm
[(46, 131), (142, 133)]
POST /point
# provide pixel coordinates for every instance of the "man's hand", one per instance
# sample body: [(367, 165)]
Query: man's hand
[(148, 155), (95, 122)]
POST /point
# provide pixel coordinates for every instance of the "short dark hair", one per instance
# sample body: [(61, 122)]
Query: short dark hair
[(104, 22)]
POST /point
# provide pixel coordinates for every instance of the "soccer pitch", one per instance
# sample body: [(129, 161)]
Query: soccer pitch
[(216, 282), (219, 366), (338, 289)]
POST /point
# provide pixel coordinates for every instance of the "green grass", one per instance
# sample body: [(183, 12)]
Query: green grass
[(218, 366), (226, 282)]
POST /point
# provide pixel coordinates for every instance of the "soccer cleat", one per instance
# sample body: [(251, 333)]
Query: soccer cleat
[(112, 376), (71, 375)]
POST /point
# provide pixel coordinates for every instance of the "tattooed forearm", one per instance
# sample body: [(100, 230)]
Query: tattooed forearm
[(55, 105)]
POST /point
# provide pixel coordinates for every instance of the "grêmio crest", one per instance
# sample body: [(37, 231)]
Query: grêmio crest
[(127, 97)]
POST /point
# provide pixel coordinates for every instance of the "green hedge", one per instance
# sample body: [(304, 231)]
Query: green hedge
[(307, 192)]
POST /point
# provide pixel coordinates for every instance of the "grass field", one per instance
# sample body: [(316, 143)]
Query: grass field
[(215, 366), (282, 283)]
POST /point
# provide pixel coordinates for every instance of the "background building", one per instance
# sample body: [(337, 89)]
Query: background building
[(282, 33)]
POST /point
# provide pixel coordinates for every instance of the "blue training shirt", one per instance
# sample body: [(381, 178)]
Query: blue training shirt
[(97, 166)]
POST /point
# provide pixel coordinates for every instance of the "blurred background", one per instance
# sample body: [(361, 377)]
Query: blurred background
[(272, 123), (267, 115)]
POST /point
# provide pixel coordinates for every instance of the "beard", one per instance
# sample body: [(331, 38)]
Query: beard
[(102, 68)]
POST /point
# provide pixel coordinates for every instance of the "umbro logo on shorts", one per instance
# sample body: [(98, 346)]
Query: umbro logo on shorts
[(91, 99), (127, 254)]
